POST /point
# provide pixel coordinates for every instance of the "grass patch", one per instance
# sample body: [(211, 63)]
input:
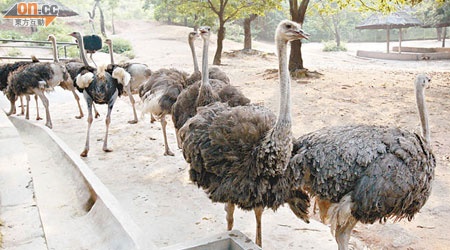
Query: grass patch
[(332, 46), (119, 46)]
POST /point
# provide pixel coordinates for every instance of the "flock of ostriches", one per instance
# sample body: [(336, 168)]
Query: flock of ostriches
[(242, 154)]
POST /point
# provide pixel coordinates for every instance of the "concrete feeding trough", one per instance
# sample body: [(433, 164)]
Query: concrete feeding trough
[(232, 240), (73, 209)]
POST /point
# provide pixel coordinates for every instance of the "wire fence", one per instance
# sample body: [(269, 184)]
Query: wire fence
[(40, 45)]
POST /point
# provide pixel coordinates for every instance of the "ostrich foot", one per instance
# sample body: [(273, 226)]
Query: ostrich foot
[(168, 152), (78, 117), (38, 118), (84, 153), (49, 124), (133, 121), (107, 150)]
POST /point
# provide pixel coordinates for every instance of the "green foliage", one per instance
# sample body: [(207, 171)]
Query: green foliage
[(72, 51), (119, 46), (235, 32), (332, 46), (15, 52), (130, 54), (11, 34)]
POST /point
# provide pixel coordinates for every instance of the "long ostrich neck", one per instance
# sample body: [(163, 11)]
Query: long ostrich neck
[(284, 116), (82, 53), (110, 45), (194, 56), (205, 74), (423, 114), (55, 53)]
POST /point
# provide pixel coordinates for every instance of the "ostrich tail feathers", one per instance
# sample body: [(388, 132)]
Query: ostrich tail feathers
[(122, 76), (101, 72), (83, 81)]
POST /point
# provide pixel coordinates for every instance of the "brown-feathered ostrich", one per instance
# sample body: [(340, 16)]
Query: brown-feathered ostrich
[(5, 70), (159, 94), (98, 86), (35, 79), (140, 74), (67, 85), (239, 155), (204, 91), (365, 173)]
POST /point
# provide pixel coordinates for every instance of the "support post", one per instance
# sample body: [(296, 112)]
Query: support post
[(387, 40), (400, 41)]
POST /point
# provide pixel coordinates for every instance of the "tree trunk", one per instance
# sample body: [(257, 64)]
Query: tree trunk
[(439, 34), (195, 23), (298, 15), (185, 22), (102, 19), (220, 37), (112, 21), (444, 36), (248, 32), (336, 30)]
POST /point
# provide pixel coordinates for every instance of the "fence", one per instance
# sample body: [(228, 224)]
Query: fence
[(25, 45)]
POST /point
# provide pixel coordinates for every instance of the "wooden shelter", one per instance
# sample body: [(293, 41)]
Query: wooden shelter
[(395, 20)]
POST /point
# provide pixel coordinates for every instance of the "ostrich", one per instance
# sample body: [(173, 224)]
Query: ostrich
[(365, 173), (205, 91), (214, 72), (35, 79), (239, 155), (98, 86), (140, 73), (92, 43), (6, 69), (71, 67), (159, 94)]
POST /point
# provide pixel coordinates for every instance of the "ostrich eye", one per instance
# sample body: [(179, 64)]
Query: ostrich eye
[(288, 26)]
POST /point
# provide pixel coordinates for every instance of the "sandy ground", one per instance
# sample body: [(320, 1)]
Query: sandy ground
[(156, 189)]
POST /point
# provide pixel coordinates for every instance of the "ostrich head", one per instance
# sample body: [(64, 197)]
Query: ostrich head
[(108, 41), (192, 35), (288, 31), (76, 34), (205, 32), (51, 38), (422, 81)]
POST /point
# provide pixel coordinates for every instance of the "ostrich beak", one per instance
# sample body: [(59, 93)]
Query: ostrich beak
[(303, 34)]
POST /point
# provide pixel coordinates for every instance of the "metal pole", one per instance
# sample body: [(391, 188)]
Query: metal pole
[(387, 48), (65, 52), (400, 41)]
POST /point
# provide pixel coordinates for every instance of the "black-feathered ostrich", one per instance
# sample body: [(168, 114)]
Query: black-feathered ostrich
[(139, 73), (35, 79), (204, 91), (98, 86), (73, 66), (239, 155), (365, 173), (5, 70)]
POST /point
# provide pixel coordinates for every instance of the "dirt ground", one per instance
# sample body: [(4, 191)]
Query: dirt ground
[(153, 187)]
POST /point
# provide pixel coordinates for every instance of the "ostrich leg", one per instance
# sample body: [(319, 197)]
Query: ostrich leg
[(37, 108), (97, 114), (258, 214), (130, 95), (27, 113), (163, 125), (229, 208), (89, 102), (44, 100), (93, 60), (22, 108), (342, 234), (78, 102), (108, 120)]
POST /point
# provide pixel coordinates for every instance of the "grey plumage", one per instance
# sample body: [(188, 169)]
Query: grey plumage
[(365, 173), (239, 155)]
